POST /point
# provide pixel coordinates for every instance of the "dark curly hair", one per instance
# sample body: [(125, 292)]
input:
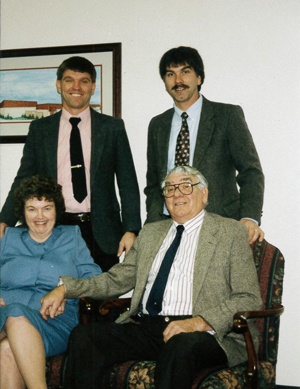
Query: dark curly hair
[(182, 55), (41, 188)]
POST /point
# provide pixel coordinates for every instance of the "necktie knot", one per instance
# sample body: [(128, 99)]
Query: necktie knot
[(184, 115), (74, 121), (180, 229)]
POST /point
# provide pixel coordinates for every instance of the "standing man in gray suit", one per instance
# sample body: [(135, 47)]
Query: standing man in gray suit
[(219, 145), (183, 323), (108, 228)]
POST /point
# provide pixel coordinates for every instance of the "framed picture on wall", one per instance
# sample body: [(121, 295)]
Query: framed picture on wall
[(28, 91)]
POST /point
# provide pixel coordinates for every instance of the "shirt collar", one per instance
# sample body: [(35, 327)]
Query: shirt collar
[(193, 223), (193, 110), (83, 115)]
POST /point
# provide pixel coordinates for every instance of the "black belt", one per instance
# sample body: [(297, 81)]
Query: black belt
[(76, 217), (147, 319)]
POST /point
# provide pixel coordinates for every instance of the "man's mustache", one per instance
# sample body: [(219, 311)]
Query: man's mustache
[(180, 86)]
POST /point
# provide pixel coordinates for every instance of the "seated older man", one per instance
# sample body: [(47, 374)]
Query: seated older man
[(190, 274)]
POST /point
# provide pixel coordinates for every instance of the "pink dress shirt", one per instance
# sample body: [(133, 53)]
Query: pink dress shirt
[(64, 163)]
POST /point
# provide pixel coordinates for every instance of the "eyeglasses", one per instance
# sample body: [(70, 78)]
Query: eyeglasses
[(185, 188)]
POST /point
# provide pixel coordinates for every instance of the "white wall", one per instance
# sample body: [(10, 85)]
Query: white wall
[(251, 51)]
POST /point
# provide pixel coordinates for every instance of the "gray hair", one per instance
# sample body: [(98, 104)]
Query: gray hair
[(188, 171)]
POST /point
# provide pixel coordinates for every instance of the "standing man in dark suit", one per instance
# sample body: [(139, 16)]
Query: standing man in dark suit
[(107, 228), (219, 145)]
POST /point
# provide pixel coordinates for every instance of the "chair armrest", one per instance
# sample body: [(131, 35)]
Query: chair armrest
[(98, 310), (240, 325), (115, 304), (240, 318), (89, 310)]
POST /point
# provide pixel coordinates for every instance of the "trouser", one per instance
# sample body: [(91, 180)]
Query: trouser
[(95, 347), (104, 260)]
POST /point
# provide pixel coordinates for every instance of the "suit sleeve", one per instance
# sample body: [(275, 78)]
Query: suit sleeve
[(250, 177), (154, 199), (27, 168), (127, 183), (119, 280), (86, 267)]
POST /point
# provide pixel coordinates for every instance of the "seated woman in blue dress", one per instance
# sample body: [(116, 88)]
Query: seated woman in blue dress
[(31, 260)]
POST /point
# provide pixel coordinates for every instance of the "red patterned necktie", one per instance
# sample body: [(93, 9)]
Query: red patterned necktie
[(182, 153)]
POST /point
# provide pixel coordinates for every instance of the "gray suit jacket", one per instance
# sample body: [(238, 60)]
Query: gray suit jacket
[(224, 147), (225, 278), (110, 158)]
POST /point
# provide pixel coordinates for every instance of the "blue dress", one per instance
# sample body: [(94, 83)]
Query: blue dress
[(29, 270)]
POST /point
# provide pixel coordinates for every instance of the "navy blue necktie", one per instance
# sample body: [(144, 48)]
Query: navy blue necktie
[(77, 162), (154, 303)]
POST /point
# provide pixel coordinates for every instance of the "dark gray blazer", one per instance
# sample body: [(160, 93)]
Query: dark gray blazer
[(225, 278), (110, 158), (224, 153)]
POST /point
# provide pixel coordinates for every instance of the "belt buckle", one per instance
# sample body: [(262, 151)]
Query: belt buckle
[(82, 217)]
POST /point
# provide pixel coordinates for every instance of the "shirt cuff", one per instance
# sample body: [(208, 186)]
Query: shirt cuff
[(249, 218)]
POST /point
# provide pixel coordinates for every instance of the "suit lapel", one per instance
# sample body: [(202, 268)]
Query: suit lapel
[(158, 235), (150, 249), (97, 143), (163, 138), (205, 251), (205, 131), (206, 247), (51, 143)]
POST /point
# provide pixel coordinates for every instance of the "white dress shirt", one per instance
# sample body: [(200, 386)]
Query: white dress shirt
[(178, 296)]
